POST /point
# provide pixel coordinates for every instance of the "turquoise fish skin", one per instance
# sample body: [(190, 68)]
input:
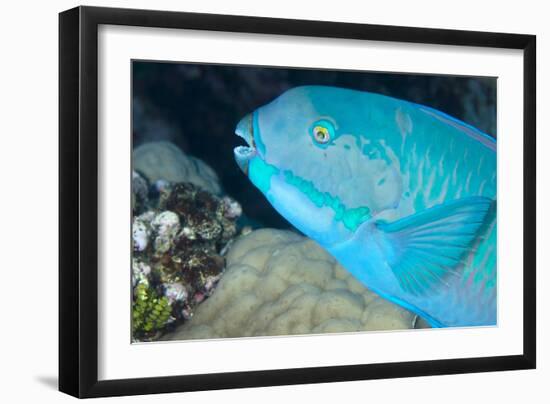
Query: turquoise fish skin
[(402, 195)]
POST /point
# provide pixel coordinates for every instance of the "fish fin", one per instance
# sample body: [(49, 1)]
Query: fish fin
[(427, 248)]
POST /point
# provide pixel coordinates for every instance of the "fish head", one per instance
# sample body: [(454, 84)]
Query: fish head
[(305, 156), (289, 127)]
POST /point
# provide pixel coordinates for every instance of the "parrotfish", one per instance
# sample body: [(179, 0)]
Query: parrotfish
[(403, 196)]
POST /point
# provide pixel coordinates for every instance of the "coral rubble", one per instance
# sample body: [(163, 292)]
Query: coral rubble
[(177, 257)]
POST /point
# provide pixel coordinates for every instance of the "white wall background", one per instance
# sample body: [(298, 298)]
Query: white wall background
[(28, 202)]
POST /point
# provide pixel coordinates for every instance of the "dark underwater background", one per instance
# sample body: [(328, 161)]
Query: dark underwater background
[(197, 107)]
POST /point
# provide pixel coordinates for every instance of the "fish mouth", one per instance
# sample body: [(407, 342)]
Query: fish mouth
[(243, 154)]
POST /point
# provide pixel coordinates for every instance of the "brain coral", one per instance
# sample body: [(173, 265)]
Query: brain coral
[(165, 161), (280, 283)]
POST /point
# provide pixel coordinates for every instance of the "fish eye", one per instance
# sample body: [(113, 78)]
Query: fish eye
[(321, 134)]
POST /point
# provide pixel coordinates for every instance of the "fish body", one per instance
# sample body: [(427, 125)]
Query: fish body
[(402, 195)]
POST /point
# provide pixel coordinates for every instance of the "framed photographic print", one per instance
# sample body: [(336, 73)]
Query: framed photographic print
[(251, 201)]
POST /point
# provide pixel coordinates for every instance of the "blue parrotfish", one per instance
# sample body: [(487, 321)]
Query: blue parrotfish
[(401, 195)]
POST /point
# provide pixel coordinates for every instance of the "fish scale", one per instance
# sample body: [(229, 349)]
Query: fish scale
[(481, 262)]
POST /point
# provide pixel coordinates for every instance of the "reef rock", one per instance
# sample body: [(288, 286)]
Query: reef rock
[(279, 283), (178, 258), (140, 191), (165, 161)]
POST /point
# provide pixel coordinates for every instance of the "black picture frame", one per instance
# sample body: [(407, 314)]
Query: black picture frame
[(78, 196)]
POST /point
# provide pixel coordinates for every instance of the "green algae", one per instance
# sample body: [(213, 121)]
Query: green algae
[(150, 311)]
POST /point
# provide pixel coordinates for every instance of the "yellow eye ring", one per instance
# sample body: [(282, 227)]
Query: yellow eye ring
[(321, 134)]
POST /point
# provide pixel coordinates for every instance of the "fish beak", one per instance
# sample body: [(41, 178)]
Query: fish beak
[(243, 154)]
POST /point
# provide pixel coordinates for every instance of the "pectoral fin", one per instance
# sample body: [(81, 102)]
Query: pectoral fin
[(426, 248)]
